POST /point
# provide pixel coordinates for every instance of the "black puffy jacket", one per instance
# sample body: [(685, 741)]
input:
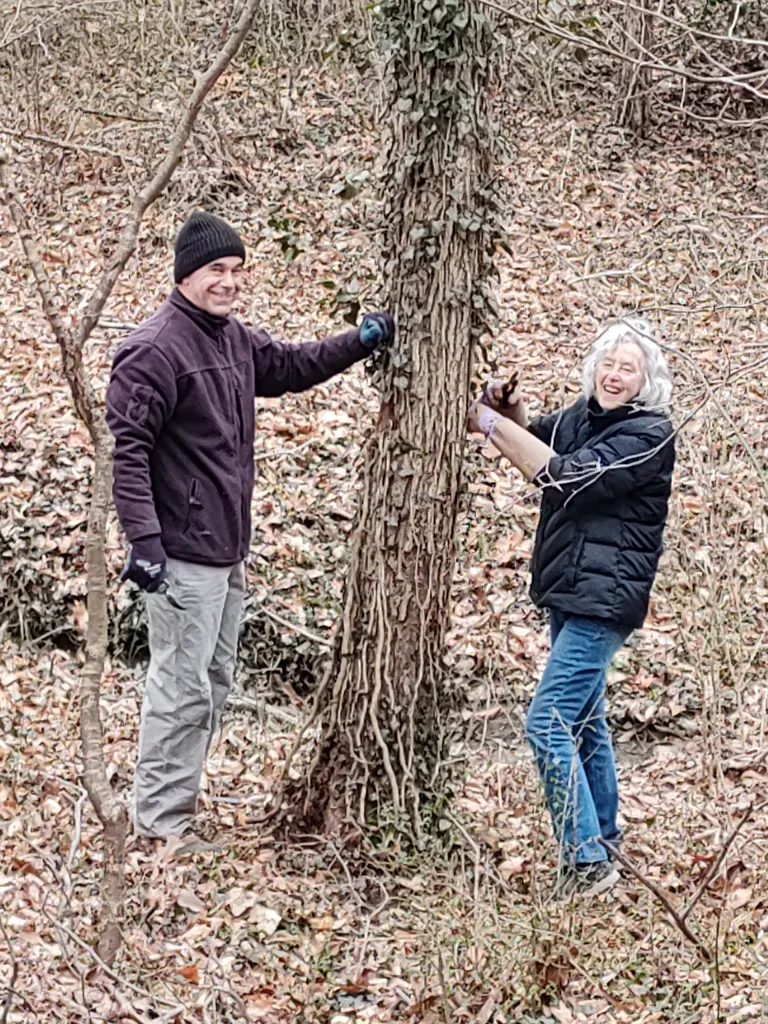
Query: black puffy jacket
[(603, 510)]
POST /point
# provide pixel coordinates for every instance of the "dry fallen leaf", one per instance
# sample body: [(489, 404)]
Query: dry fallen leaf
[(562, 1014), (512, 866), (190, 901), (739, 898), (240, 901), (266, 920)]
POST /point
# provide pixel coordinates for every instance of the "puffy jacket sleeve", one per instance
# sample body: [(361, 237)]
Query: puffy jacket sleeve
[(140, 400), (281, 367), (611, 467)]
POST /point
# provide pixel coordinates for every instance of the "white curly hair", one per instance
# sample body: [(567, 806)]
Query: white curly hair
[(656, 391)]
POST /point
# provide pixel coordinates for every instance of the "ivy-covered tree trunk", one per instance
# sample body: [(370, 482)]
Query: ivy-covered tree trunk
[(380, 705)]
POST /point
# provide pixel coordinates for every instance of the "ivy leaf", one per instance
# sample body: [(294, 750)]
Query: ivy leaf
[(461, 20)]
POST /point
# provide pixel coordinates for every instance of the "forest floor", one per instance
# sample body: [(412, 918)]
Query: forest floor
[(468, 931)]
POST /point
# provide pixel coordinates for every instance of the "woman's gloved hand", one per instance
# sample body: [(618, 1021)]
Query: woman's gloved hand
[(506, 399), (482, 419)]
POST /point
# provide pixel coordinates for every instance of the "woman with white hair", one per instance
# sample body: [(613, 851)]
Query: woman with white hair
[(604, 465)]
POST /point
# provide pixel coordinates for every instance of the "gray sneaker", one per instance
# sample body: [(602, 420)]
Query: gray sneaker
[(589, 879)]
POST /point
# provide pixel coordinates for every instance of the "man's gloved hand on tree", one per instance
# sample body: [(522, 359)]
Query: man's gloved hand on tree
[(146, 564), (377, 329)]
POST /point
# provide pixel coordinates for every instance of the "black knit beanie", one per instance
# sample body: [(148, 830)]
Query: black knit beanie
[(203, 239)]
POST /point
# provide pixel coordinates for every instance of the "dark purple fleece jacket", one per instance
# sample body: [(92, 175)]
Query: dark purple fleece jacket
[(180, 405)]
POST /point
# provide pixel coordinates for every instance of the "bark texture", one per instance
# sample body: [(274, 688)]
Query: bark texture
[(380, 703), (636, 79)]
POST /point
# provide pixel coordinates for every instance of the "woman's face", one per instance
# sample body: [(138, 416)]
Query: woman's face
[(619, 376)]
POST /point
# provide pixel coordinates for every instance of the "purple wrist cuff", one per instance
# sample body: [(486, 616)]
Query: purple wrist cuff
[(487, 419)]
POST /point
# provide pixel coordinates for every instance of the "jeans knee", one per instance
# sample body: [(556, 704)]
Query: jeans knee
[(535, 727)]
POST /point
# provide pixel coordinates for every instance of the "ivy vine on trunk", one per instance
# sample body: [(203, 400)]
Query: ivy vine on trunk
[(380, 705)]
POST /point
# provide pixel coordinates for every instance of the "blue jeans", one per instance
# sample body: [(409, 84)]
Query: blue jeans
[(567, 729)]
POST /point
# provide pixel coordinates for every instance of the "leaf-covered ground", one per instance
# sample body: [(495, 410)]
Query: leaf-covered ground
[(598, 224)]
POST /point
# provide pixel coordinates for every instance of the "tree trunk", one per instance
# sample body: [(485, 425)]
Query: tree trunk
[(636, 80), (380, 705), (110, 808)]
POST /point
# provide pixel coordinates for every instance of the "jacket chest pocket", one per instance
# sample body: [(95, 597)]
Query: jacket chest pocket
[(573, 569)]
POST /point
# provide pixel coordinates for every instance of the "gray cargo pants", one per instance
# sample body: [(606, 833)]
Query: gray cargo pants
[(192, 662)]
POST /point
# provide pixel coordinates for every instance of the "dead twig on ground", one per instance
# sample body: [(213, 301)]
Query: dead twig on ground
[(113, 975), (14, 975), (662, 897), (74, 147), (287, 624), (715, 866)]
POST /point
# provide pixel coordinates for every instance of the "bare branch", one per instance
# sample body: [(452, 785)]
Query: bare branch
[(82, 392), (59, 12), (12, 23), (110, 809), (113, 975), (743, 122), (20, 220), (114, 116), (661, 896), (715, 866), (690, 29), (13, 977), (162, 176), (75, 147), (648, 60), (321, 641)]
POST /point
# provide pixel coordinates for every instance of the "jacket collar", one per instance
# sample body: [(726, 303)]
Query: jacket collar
[(600, 419), (208, 323)]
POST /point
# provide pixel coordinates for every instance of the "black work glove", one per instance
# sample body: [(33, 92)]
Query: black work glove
[(376, 329), (146, 563)]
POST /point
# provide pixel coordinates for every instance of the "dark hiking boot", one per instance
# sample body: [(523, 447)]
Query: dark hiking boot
[(191, 843), (589, 879), (200, 836), (145, 846)]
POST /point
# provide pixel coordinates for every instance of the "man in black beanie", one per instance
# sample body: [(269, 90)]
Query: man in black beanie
[(180, 404)]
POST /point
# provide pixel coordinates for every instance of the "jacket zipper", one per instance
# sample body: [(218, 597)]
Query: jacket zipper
[(239, 412), (240, 434), (192, 502)]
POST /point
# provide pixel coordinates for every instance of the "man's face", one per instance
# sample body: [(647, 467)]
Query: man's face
[(214, 287)]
